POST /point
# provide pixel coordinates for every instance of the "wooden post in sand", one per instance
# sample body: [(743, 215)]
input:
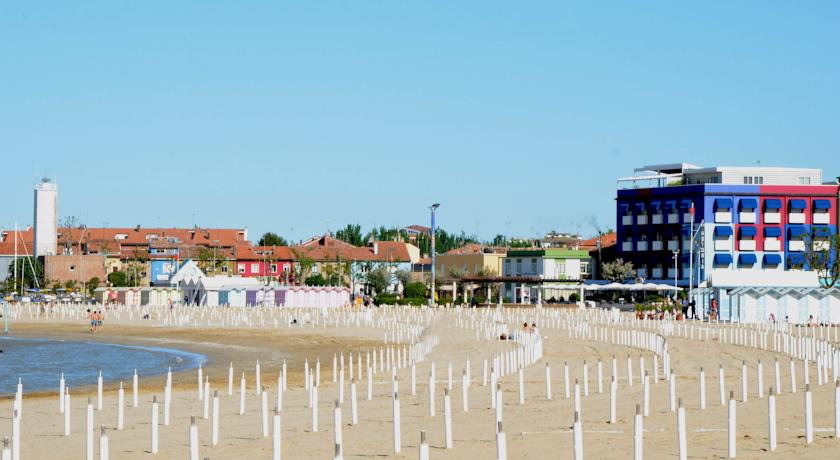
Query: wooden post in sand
[(193, 439), (577, 434), (681, 443), (600, 376), (730, 426), (760, 376), (230, 380), (99, 392), (339, 440), (721, 385), (134, 389), (771, 418), (521, 374), (423, 449), (61, 394), (613, 388), (638, 431), (465, 391), (200, 381), (154, 425), (566, 379), (66, 411), (276, 436), (809, 419), (264, 411), (242, 395), (836, 407), (646, 395), (206, 412), (6, 453), (88, 431), (672, 391), (792, 377), (214, 436), (120, 408), (354, 417), (103, 444), (501, 445), (396, 414), (547, 381), (258, 376), (702, 389)]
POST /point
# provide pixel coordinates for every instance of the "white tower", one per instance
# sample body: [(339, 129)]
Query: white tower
[(46, 218)]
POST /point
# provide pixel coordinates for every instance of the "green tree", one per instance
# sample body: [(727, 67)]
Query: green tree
[(403, 276), (315, 280), (821, 254), (499, 240), (92, 284), (352, 233), (618, 270), (272, 239), (304, 265), (30, 273), (414, 291), (377, 279), (118, 279)]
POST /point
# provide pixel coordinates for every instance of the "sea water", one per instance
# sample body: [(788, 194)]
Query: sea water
[(40, 362)]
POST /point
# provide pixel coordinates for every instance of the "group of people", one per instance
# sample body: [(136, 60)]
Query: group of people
[(96, 318)]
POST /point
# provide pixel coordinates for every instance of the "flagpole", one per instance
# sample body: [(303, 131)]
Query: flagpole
[(691, 260)]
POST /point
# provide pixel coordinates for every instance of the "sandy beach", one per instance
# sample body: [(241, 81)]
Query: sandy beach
[(537, 429)]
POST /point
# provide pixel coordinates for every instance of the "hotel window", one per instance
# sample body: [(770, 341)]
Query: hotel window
[(518, 266), (273, 268), (534, 266), (804, 180), (255, 268), (224, 269)]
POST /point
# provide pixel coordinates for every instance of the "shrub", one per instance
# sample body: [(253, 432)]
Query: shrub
[(415, 290)]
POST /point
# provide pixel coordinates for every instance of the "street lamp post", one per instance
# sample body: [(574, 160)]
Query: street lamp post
[(433, 208), (676, 270)]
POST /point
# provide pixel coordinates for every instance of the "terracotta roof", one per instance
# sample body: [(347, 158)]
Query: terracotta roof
[(328, 248), (243, 252), (139, 236), (607, 240)]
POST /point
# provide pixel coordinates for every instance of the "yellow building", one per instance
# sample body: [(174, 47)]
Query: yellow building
[(469, 260)]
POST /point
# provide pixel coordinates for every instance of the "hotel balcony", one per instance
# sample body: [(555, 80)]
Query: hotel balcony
[(772, 244), (796, 218), (772, 217), (746, 217)]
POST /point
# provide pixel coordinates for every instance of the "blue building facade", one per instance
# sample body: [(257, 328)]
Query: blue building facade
[(750, 230)]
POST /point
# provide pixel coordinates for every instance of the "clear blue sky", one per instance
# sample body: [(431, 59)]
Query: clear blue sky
[(309, 115)]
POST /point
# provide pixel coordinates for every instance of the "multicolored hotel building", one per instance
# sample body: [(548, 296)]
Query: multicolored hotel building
[(749, 222)]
